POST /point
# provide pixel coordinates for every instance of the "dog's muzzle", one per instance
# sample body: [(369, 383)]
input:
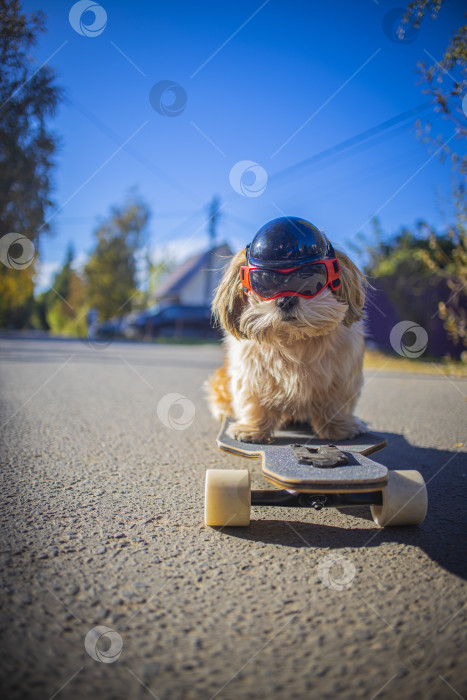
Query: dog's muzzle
[(286, 303)]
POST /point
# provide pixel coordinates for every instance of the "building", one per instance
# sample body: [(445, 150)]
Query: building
[(193, 282)]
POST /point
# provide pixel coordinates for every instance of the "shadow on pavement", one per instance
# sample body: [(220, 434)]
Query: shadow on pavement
[(440, 536)]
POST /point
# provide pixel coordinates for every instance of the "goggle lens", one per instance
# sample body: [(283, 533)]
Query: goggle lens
[(307, 280)]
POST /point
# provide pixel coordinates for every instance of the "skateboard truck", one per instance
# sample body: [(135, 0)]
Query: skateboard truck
[(325, 456), (295, 499), (318, 502)]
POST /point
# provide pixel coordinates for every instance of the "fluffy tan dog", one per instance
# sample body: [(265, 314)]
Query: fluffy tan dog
[(294, 362)]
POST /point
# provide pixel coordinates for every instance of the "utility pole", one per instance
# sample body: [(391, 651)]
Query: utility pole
[(213, 218)]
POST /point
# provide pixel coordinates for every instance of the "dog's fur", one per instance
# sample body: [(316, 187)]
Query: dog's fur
[(300, 365)]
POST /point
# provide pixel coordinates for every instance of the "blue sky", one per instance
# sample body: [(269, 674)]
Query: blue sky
[(272, 83)]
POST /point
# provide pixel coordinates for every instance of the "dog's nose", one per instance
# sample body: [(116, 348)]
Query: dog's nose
[(286, 303)]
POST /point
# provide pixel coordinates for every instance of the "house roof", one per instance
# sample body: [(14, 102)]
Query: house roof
[(178, 278)]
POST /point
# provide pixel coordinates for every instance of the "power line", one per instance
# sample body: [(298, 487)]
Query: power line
[(182, 226), (359, 139), (347, 143), (148, 164), (362, 177)]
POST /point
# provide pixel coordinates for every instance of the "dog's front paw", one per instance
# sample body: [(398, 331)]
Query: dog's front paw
[(248, 433), (360, 427), (342, 430)]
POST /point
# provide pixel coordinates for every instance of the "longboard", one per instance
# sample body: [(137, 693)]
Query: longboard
[(313, 473)]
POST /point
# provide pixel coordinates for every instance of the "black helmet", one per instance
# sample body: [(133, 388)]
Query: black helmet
[(288, 240)]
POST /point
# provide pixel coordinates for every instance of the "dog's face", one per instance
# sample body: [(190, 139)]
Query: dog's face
[(286, 320)]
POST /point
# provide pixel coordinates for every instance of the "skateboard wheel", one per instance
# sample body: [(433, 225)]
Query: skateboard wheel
[(405, 500), (227, 500)]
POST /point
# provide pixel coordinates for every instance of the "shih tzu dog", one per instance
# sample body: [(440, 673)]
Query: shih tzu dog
[(291, 307)]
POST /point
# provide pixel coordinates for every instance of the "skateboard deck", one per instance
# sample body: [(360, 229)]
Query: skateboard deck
[(296, 459)]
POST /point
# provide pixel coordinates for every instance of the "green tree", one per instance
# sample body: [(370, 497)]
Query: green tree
[(61, 285), (111, 271), (57, 294), (420, 270), (28, 99), (446, 83), (450, 263), (62, 308)]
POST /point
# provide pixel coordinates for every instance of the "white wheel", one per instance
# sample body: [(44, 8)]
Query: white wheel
[(227, 499), (405, 500)]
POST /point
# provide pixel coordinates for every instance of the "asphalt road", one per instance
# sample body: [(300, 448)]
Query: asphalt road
[(101, 526)]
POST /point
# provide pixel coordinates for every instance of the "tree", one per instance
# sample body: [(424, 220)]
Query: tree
[(62, 308), (61, 285), (413, 267), (28, 98), (67, 315), (111, 272), (446, 83), (58, 293), (451, 265)]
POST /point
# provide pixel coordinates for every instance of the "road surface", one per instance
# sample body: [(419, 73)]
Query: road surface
[(112, 587)]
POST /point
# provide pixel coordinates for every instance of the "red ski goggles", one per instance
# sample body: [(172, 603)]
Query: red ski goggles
[(304, 281)]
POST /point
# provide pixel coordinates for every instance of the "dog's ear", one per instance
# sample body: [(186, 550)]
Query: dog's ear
[(352, 289), (230, 299)]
